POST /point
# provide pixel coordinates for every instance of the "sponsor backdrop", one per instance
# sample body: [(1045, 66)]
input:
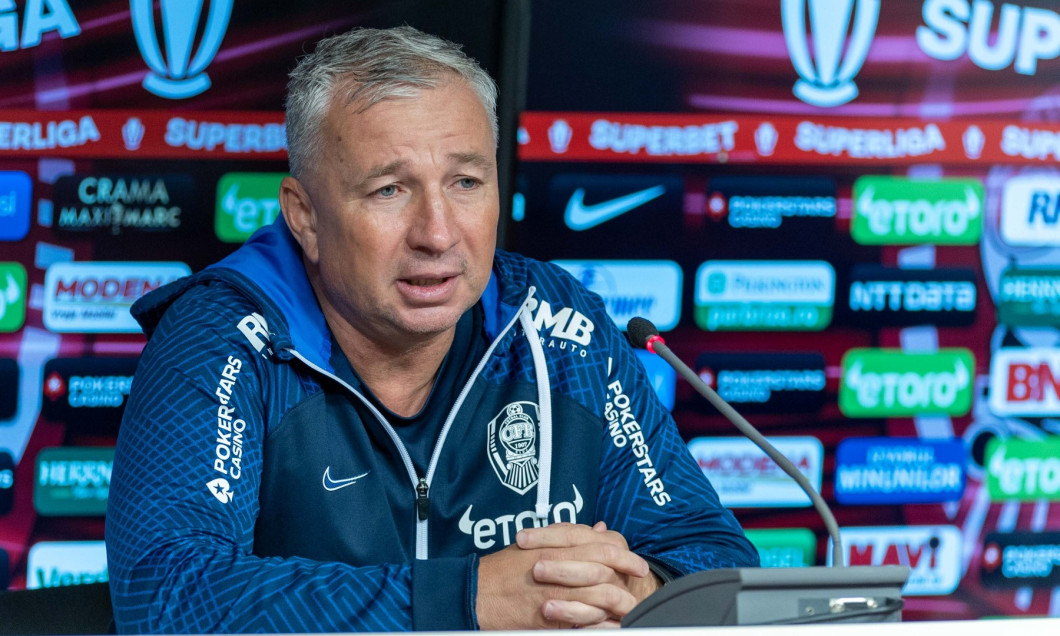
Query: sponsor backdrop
[(136, 146), (845, 216)]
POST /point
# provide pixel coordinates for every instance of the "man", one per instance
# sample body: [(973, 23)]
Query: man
[(366, 418)]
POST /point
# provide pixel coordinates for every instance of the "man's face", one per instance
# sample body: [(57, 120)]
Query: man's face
[(404, 206)]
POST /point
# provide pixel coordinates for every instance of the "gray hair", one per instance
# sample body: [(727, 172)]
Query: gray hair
[(372, 65)]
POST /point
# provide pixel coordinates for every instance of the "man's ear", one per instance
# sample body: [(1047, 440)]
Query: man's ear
[(300, 215)]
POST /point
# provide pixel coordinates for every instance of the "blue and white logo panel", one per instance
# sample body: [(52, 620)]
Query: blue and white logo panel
[(16, 188), (662, 376), (887, 470), (649, 289)]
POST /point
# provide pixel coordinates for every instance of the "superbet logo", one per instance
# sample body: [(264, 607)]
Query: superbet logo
[(1025, 381)]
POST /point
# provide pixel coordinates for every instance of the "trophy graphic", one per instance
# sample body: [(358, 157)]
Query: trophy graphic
[(179, 74), (827, 78)]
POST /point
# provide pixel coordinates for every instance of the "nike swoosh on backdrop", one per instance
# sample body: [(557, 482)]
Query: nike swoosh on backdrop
[(334, 484), (582, 217)]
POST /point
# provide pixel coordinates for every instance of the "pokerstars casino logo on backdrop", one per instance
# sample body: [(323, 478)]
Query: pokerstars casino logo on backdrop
[(932, 553), (116, 204), (1018, 559), (776, 382), (82, 297), (87, 393), (900, 211), (745, 477), (767, 202), (896, 297)]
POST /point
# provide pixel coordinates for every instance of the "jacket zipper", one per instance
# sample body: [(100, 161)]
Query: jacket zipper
[(421, 485)]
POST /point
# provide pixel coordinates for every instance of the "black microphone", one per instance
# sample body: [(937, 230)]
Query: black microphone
[(643, 335)]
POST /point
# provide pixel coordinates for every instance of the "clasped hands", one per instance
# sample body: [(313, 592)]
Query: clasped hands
[(561, 575)]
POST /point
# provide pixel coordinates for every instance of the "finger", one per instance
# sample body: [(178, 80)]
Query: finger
[(620, 559), (600, 526), (573, 573), (562, 535), (589, 605)]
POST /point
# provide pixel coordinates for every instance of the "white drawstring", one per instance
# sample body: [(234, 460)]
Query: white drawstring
[(544, 408)]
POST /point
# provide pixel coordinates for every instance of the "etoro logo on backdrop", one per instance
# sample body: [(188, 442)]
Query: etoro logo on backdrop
[(116, 203), (1023, 469), (900, 211), (1025, 382), (1030, 211), (932, 553), (896, 383), (82, 297), (61, 563), (784, 547), (72, 481), (16, 190), (13, 285), (764, 295), (887, 470), (1016, 559), (1029, 297), (650, 289), (744, 476), (246, 201)]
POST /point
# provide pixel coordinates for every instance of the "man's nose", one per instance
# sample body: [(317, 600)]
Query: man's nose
[(433, 227)]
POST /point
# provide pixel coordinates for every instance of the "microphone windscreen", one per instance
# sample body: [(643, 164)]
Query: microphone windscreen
[(638, 330)]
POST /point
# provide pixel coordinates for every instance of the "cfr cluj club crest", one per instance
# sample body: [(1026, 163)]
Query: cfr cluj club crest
[(512, 445)]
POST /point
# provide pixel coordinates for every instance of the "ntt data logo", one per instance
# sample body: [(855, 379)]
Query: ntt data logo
[(886, 470), (96, 297), (896, 383), (1024, 382), (894, 297), (764, 295), (744, 476), (1030, 211), (900, 211), (932, 553), (650, 289), (1023, 469)]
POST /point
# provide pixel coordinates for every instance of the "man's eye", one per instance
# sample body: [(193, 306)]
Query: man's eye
[(467, 183), (387, 191)]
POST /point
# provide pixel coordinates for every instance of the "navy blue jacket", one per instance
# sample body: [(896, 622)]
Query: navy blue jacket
[(248, 494)]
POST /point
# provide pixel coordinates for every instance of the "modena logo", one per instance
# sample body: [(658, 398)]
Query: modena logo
[(1023, 469), (651, 289), (784, 547), (1030, 211), (764, 295), (1016, 559), (246, 201), (81, 297), (932, 553), (744, 476), (1025, 382), (879, 470), (896, 383), (62, 563), (900, 211)]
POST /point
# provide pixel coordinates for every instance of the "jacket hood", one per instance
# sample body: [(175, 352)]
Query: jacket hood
[(268, 271)]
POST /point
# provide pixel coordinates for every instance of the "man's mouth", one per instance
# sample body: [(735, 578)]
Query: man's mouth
[(425, 282)]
